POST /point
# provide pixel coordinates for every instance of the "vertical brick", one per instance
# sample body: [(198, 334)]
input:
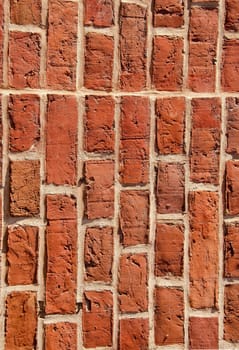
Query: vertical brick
[(204, 245), (98, 13), (133, 29), (1, 41), (231, 251), (168, 13), (61, 140), (21, 321), (97, 319), (22, 255), (203, 31), (230, 65), (208, 327), (134, 217), (170, 125), (232, 188), (98, 254), (205, 140), (25, 12), (1, 136), (231, 18), (99, 133), (169, 316), (167, 63), (231, 313), (61, 336), (62, 44), (133, 334), (99, 54), (132, 287), (232, 109)]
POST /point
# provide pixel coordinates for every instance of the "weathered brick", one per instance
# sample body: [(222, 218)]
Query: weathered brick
[(169, 316), (99, 133), (133, 334), (231, 313), (133, 39), (168, 13), (231, 251), (232, 188), (25, 188), (134, 217), (98, 13), (61, 336), (231, 18), (98, 254), (21, 321), (205, 140), (62, 44), (1, 41), (99, 54), (204, 245), (61, 140), (24, 60), (167, 63), (60, 207), (170, 125), (24, 122), (22, 255), (203, 333), (25, 12), (97, 319), (230, 65), (169, 243), (232, 109), (132, 287), (1, 138), (99, 190)]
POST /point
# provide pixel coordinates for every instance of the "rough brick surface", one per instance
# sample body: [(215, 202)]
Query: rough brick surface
[(203, 333), (168, 13), (231, 251), (232, 188), (231, 309), (61, 336), (99, 13), (1, 42), (231, 18), (133, 334), (25, 12), (230, 65), (232, 105)]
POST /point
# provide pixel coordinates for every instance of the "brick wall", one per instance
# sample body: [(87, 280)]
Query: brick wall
[(119, 183)]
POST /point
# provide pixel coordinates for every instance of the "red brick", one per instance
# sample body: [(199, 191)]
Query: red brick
[(231, 251), (25, 188), (208, 327), (99, 54), (133, 334), (99, 191), (21, 321), (170, 188), (232, 108), (61, 336), (1, 41), (203, 31), (134, 217), (98, 254), (24, 60), (231, 313), (22, 255), (170, 125), (99, 133), (60, 207), (133, 41), (205, 140), (230, 65), (25, 12), (1, 219), (99, 13), (232, 188), (24, 122), (204, 245), (97, 319), (61, 140), (168, 13), (169, 316), (132, 287), (169, 243), (1, 138), (231, 18), (167, 63)]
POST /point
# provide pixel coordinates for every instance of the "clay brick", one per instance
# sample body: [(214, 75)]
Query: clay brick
[(168, 13), (99, 190), (167, 63), (133, 40), (232, 109), (61, 140), (231, 313), (170, 195), (22, 255), (170, 125), (1, 142), (204, 245), (99, 133), (60, 207), (132, 287), (98, 254), (169, 243), (232, 188), (133, 334), (24, 122), (61, 336), (97, 319), (24, 60), (25, 188), (231, 251), (21, 321), (98, 13), (1, 41), (205, 140), (99, 54), (169, 316), (230, 65), (134, 217), (208, 327), (25, 12), (62, 44), (203, 31), (231, 18)]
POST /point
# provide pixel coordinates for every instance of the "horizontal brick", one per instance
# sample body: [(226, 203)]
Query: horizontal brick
[(231, 15), (98, 13), (25, 12), (232, 188), (60, 207), (230, 65), (231, 312), (231, 250), (168, 13), (208, 327), (61, 335), (133, 334), (232, 110)]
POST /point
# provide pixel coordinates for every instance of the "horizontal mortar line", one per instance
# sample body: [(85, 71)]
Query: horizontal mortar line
[(105, 31), (203, 313), (48, 319), (99, 348), (224, 345), (61, 189), (12, 221), (169, 347), (97, 287), (123, 316), (21, 156), (26, 29), (169, 32), (173, 217), (134, 188), (21, 288), (139, 2), (169, 282), (229, 281), (193, 187), (97, 223), (179, 158), (231, 220), (84, 156), (229, 35), (136, 249)]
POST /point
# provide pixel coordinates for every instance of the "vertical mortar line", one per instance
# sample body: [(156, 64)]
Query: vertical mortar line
[(43, 60), (80, 47), (149, 44), (186, 43), (116, 29), (221, 14), (6, 11)]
